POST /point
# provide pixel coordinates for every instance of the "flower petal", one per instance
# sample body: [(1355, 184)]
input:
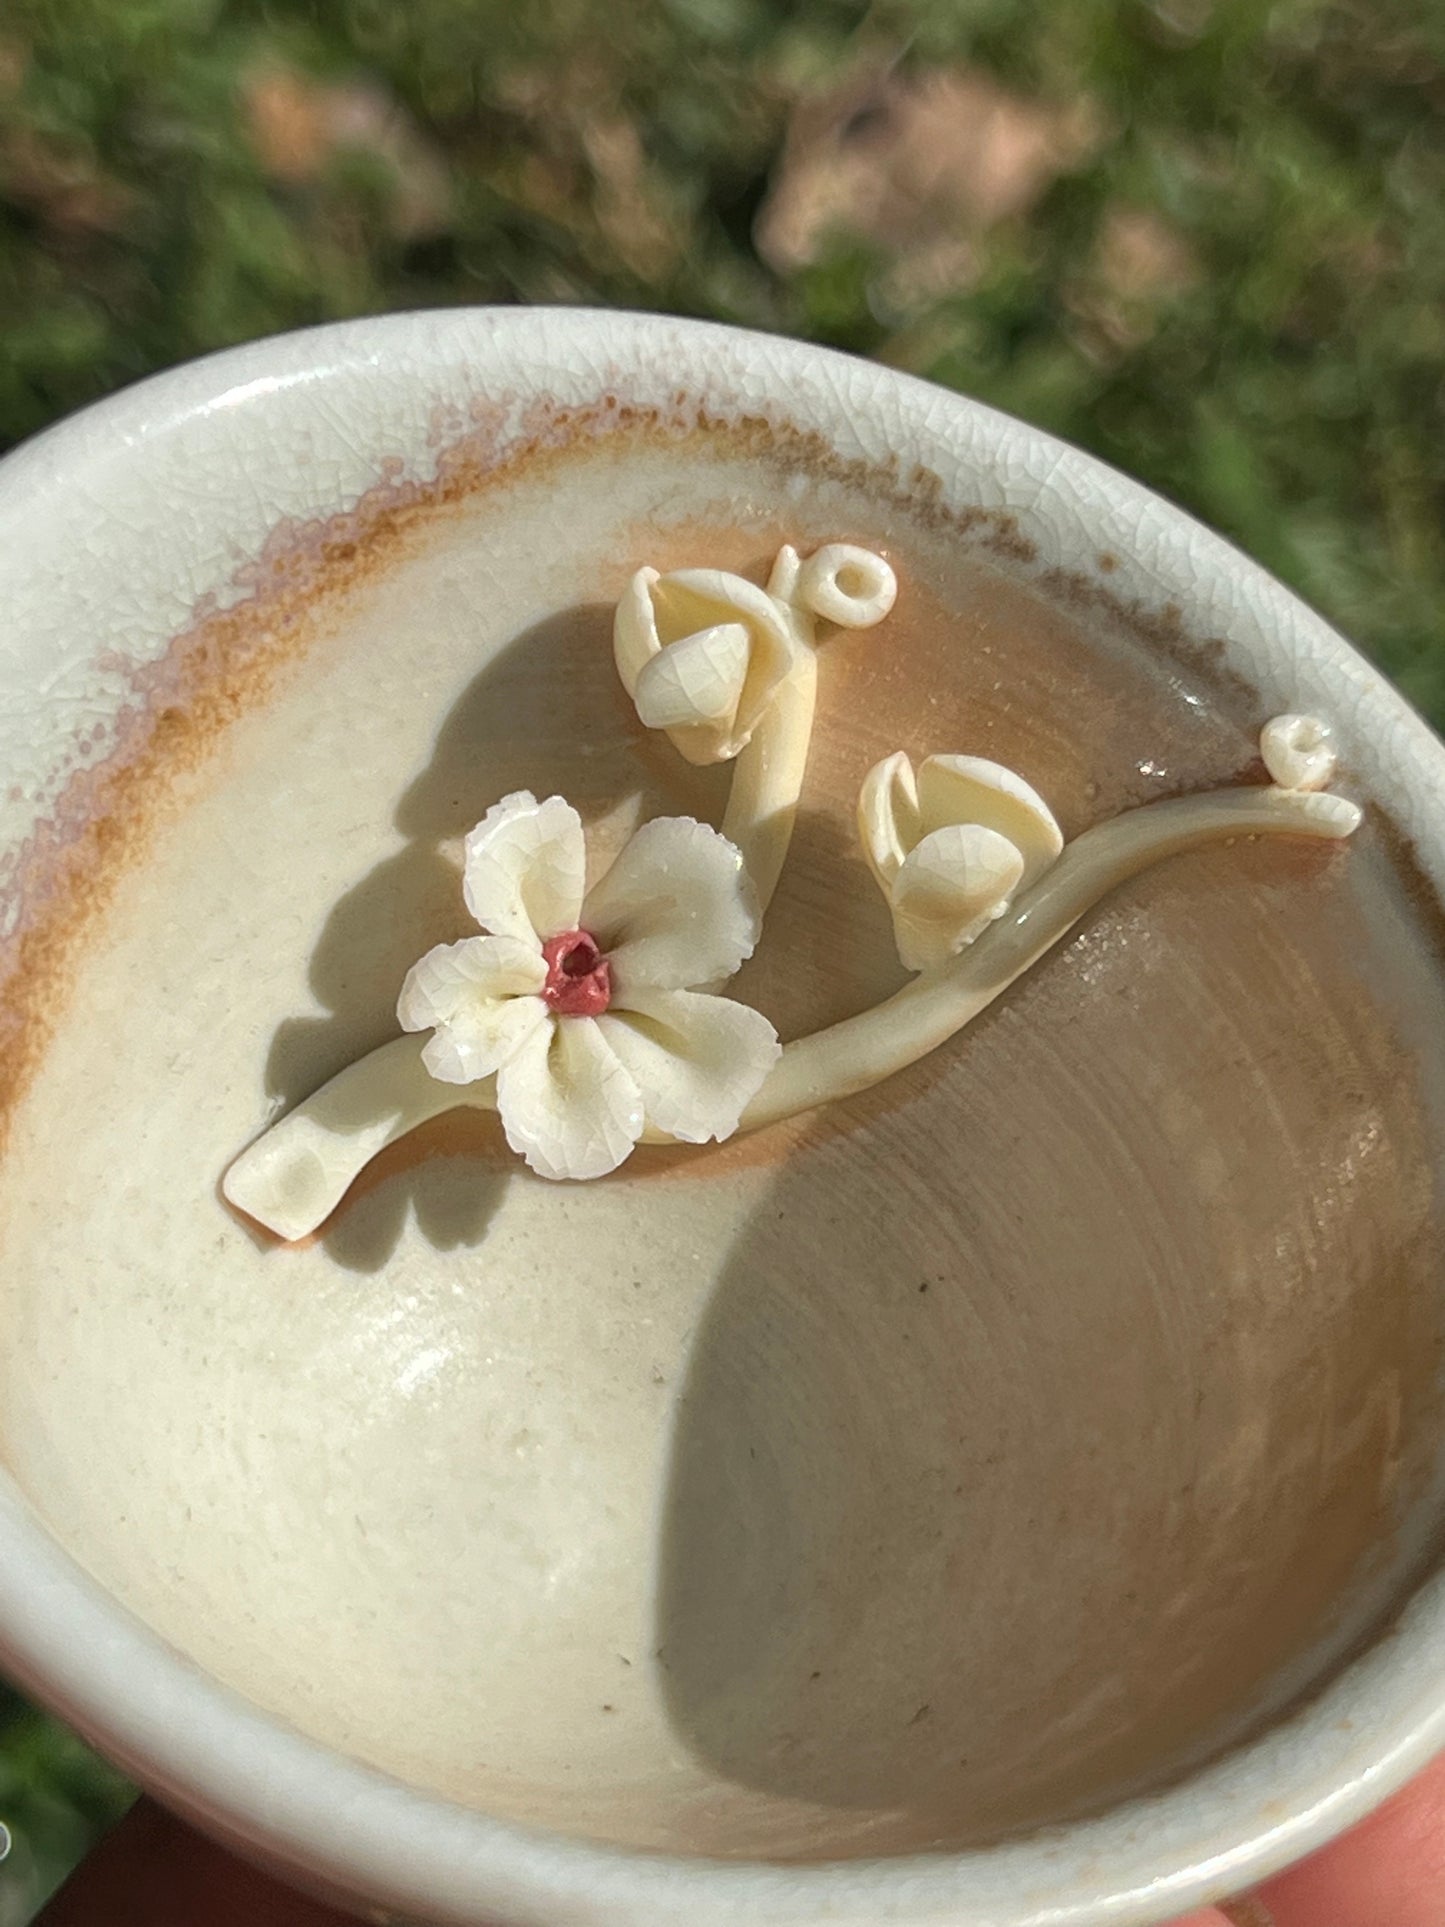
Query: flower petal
[(691, 599), (888, 819), (479, 1041), (783, 577), (970, 789), (480, 997), (452, 976), (676, 909), (950, 888), (698, 1060), (634, 629), (568, 1106), (697, 680), (526, 868)]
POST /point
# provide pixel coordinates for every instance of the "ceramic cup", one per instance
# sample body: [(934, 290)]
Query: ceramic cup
[(1006, 1497)]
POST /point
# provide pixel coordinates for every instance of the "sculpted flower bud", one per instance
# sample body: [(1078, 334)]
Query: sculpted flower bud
[(701, 652), (951, 847)]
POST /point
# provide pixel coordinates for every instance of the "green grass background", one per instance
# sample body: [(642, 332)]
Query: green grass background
[(1234, 287)]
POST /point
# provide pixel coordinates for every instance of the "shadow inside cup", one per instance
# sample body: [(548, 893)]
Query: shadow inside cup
[(1065, 1421)]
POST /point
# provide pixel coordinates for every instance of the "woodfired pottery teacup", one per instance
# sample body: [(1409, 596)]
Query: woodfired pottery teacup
[(1004, 1497)]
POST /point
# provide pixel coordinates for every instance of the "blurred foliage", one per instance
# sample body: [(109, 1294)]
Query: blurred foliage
[(1203, 238), (1237, 291), (55, 1796)]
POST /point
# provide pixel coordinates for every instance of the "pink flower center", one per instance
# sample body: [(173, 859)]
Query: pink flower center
[(579, 977)]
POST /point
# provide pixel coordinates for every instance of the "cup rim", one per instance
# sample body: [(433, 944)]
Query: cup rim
[(277, 1795)]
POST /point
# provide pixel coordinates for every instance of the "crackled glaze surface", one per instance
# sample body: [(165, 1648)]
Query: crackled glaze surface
[(987, 1451)]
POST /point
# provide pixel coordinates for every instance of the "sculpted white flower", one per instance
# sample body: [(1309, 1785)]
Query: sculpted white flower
[(587, 1011), (703, 652), (951, 847)]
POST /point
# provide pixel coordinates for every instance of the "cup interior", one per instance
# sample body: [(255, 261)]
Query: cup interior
[(961, 1460)]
